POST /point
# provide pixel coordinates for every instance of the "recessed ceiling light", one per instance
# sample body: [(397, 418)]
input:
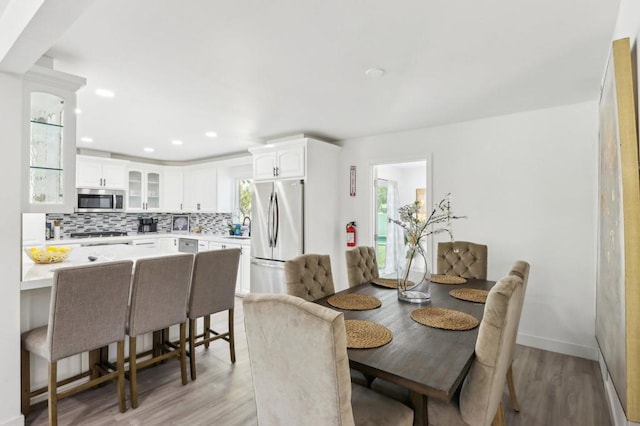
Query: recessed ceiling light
[(211, 134), (105, 93), (176, 142), (86, 139), (148, 150), (374, 72), (78, 111)]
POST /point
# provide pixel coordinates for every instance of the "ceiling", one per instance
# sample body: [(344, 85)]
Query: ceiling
[(257, 70)]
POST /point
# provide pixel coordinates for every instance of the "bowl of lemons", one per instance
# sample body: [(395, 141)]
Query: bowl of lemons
[(50, 254)]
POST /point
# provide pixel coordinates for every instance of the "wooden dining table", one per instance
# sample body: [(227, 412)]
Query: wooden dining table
[(429, 362)]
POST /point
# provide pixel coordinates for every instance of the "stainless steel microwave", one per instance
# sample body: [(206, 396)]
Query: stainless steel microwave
[(100, 200)]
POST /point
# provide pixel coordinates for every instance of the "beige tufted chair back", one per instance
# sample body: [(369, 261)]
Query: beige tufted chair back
[(463, 259), (309, 276), (362, 266)]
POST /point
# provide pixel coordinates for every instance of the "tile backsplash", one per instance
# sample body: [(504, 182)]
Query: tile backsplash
[(215, 223)]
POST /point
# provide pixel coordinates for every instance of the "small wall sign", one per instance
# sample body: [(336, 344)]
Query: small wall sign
[(352, 181)]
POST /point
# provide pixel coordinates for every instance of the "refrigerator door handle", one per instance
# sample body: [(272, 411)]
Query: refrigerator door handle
[(276, 219), (269, 220)]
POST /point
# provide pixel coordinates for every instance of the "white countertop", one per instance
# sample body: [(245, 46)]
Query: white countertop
[(140, 236), (41, 275)]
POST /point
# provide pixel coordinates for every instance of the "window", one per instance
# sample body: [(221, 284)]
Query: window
[(244, 191)]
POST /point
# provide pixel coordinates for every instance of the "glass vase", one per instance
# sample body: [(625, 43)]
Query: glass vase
[(413, 277)]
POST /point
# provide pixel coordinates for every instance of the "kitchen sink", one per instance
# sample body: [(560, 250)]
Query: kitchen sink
[(238, 237)]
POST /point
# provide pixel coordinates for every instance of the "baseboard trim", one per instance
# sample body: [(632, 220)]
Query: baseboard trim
[(618, 416), (552, 345), (15, 421)]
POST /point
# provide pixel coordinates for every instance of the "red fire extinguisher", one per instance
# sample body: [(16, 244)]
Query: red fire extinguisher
[(351, 234)]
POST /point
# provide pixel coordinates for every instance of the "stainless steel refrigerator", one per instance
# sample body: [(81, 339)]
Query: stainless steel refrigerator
[(277, 232)]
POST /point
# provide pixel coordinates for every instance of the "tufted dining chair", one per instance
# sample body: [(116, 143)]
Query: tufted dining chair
[(213, 288), (88, 310), (362, 266), (309, 276), (159, 295), (313, 385), (462, 259), (519, 269)]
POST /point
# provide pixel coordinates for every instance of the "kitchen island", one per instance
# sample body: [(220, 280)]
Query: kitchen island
[(37, 280)]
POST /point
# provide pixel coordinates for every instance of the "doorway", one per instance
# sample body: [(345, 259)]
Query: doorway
[(395, 185)]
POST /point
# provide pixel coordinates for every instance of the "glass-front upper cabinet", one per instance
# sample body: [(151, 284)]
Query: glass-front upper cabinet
[(46, 164), (49, 148)]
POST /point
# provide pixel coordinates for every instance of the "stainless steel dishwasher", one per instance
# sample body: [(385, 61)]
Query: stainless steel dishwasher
[(187, 245)]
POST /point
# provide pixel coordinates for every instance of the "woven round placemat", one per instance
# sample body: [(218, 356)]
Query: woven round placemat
[(354, 302), (447, 319), (470, 294), (385, 282), (447, 279), (366, 334)]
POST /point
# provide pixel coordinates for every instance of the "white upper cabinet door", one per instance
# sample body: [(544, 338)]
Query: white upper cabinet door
[(93, 172), (172, 199), (200, 189), (88, 173), (144, 187), (264, 165), (114, 174), (290, 162), (280, 161)]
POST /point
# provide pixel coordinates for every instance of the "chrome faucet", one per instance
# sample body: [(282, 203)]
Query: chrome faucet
[(244, 223)]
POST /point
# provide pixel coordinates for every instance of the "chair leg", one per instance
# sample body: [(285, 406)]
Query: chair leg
[(133, 376), (122, 404), (207, 330), (25, 381), (498, 420), (512, 389), (53, 393), (183, 352), (232, 344), (192, 348)]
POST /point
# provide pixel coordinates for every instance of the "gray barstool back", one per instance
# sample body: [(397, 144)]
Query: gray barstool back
[(159, 295), (213, 288), (88, 310)]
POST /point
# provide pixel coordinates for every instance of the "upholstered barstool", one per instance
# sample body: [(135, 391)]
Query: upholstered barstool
[(88, 310), (309, 276), (212, 290), (519, 269), (463, 259), (300, 367), (362, 266), (159, 296)]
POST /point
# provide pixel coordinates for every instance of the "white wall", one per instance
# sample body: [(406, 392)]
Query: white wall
[(10, 139), (527, 182)]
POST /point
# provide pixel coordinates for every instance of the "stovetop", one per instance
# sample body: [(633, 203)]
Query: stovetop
[(98, 234)]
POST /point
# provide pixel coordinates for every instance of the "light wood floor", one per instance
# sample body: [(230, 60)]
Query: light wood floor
[(553, 390)]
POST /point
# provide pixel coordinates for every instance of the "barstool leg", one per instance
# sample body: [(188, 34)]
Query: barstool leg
[(133, 376), (192, 348), (183, 352), (25, 381), (53, 393), (120, 366), (207, 328), (232, 339)]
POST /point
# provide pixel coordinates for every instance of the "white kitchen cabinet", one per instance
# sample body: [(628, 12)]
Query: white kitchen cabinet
[(169, 244), (282, 161), (49, 141), (95, 172), (200, 189), (172, 189), (144, 186), (243, 279)]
